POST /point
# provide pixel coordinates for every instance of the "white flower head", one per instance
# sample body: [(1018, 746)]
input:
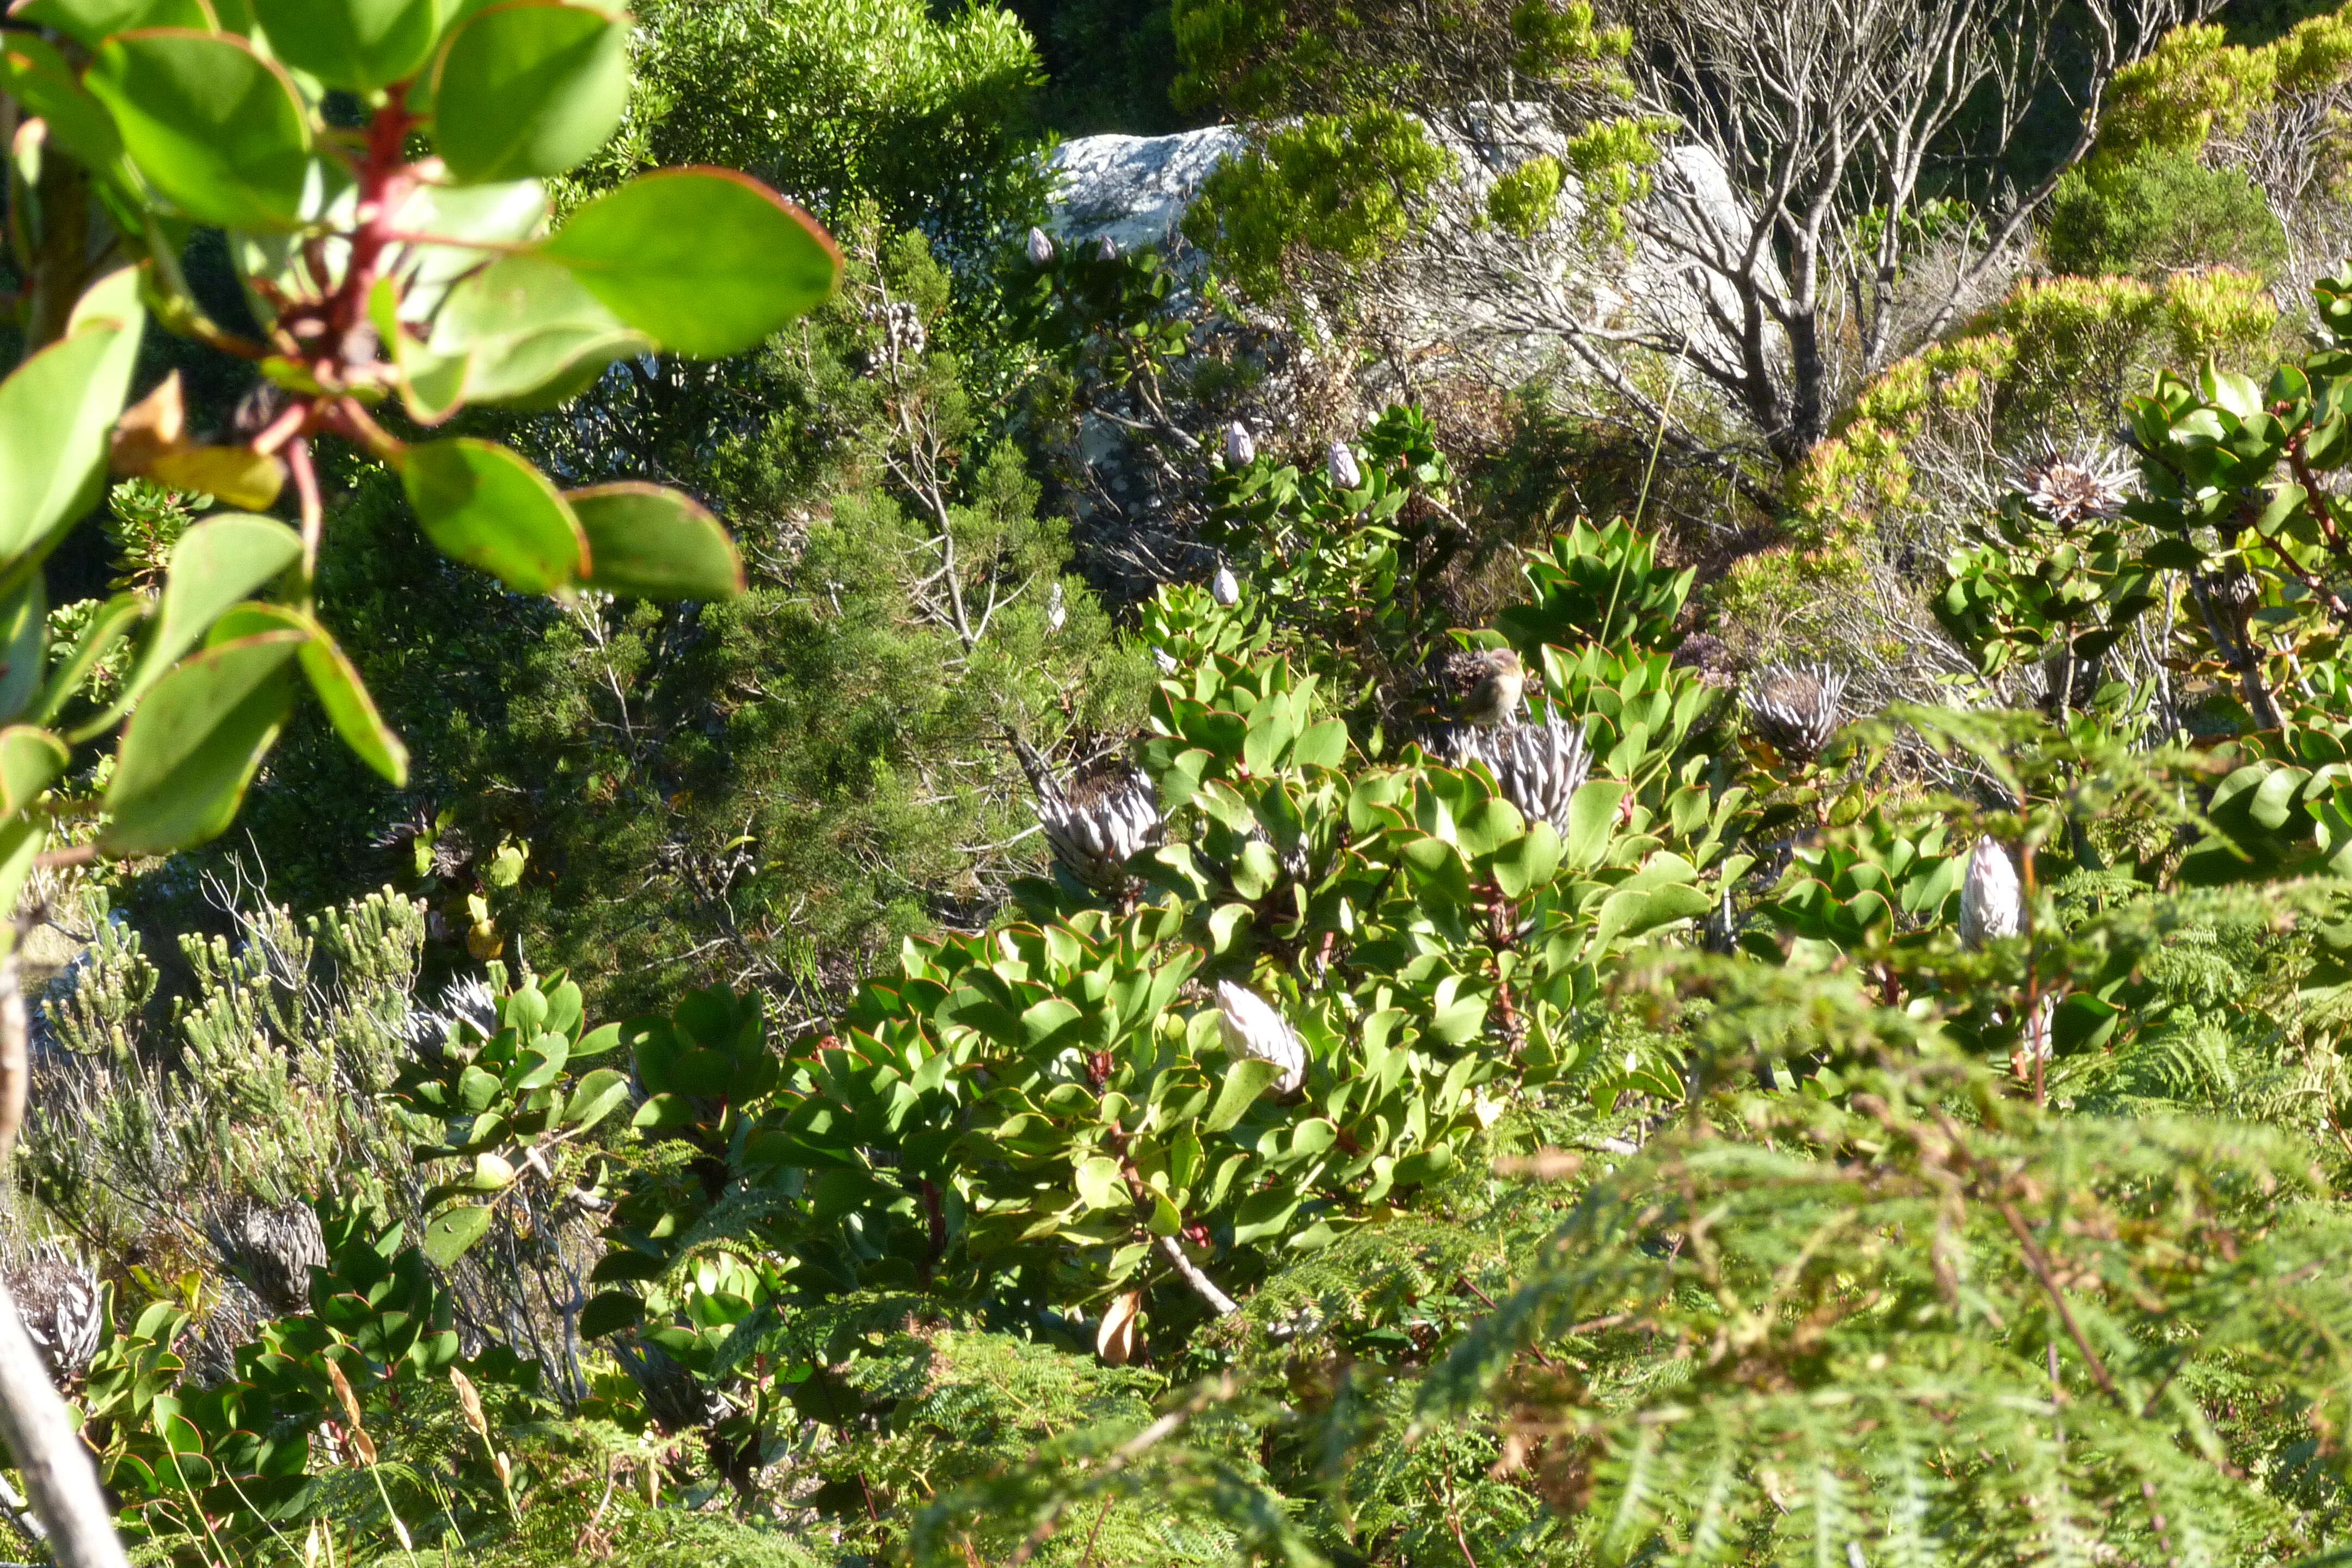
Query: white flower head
[(1058, 609), (1539, 767), (1098, 822), (1241, 451), (1992, 902), (1341, 464), (1795, 707), (2069, 488), (1225, 588), (1255, 1032), (1041, 248)]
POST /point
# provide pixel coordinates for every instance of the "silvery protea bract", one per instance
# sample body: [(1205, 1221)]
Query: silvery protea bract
[(1225, 588), (1254, 1031), (1241, 451), (1041, 248), (1097, 821), (1341, 465), (1795, 708), (1108, 249), (1539, 767), (1992, 903), (57, 1296)]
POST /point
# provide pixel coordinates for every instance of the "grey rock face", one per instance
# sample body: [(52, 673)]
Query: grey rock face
[(1134, 190)]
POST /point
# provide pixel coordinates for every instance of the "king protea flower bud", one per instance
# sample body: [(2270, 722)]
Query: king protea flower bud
[(1341, 464), (1107, 250), (1240, 450), (1098, 822), (1224, 588), (1992, 903), (1254, 1031), (1041, 248), (1539, 767)]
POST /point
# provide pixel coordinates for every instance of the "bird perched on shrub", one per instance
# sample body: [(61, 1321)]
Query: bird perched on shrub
[(1485, 685)]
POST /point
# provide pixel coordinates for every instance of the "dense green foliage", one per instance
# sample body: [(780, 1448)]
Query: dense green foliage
[(971, 898)]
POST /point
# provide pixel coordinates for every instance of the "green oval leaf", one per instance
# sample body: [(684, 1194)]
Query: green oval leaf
[(596, 1097), (706, 261), (88, 22), (655, 543), (218, 130), (524, 334), (531, 87), (452, 1234), (23, 646), (30, 761), (216, 565), (38, 77), (609, 1311), (56, 410), (195, 742), (358, 44), (483, 505)]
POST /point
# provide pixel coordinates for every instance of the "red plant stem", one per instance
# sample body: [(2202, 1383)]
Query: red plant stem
[(306, 485)]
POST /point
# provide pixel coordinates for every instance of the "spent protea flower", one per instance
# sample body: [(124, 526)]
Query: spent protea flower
[(1254, 1031), (1341, 465), (57, 1294), (1225, 588), (1240, 450), (1992, 902), (273, 1250), (1099, 821), (1041, 248), (2072, 488), (1539, 767), (1795, 708)]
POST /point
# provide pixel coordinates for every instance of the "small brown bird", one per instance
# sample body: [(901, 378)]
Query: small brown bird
[(1488, 682)]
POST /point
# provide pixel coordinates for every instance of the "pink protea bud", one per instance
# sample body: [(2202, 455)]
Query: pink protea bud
[(1041, 248), (1224, 588), (1255, 1032), (1992, 903), (1341, 464), (1240, 450)]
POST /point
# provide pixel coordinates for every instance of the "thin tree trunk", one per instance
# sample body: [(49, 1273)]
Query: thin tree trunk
[(40, 1432)]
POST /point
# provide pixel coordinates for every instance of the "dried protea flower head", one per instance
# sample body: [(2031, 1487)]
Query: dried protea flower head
[(1485, 684), (1539, 767), (1241, 451), (1340, 464), (1041, 248), (1992, 903), (1225, 588), (272, 1249), (2070, 487), (1710, 655), (1097, 821), (57, 1295), (1254, 1031), (1795, 708)]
